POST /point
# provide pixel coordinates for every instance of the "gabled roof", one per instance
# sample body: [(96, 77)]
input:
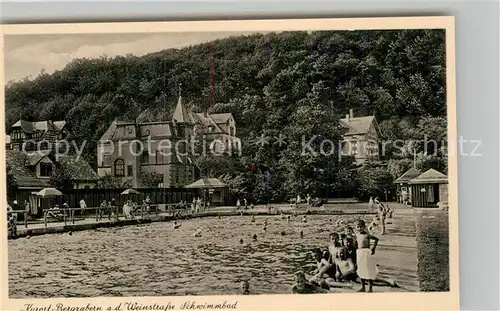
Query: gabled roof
[(119, 131), (26, 126), (78, 168), (430, 177), (30, 127), (407, 176), (206, 120), (24, 176), (220, 118), (358, 125), (32, 158), (59, 125)]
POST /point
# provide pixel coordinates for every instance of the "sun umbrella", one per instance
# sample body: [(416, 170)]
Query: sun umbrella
[(130, 191), (49, 192)]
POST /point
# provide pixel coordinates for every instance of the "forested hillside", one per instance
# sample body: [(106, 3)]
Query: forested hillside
[(291, 83)]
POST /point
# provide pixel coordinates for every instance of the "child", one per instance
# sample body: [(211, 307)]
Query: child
[(367, 269), (343, 236), (334, 237), (326, 274), (245, 288), (370, 204), (382, 213), (350, 234), (346, 269), (321, 259), (350, 249), (301, 285)]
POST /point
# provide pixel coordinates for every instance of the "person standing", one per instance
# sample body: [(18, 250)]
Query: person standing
[(370, 204), (382, 213), (83, 206)]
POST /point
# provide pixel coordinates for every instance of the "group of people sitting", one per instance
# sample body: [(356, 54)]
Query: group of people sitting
[(308, 200), (349, 259)]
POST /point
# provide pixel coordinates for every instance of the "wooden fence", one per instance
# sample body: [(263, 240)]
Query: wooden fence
[(94, 197)]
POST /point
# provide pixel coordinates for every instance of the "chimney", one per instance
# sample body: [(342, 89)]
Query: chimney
[(351, 113)]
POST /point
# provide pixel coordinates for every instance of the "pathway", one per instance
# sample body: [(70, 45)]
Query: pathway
[(397, 251)]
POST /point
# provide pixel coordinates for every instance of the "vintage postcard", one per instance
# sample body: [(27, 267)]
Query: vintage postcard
[(305, 164)]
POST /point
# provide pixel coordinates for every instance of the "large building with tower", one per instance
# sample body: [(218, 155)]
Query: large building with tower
[(137, 152)]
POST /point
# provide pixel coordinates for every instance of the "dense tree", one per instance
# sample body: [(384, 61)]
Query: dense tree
[(292, 83)]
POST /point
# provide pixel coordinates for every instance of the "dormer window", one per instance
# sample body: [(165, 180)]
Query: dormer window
[(45, 169)]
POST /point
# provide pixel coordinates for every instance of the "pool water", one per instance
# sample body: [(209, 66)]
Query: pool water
[(158, 260)]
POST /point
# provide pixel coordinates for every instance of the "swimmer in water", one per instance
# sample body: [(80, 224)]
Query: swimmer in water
[(197, 233), (254, 237), (245, 288), (301, 234), (176, 225), (283, 233), (304, 219), (241, 241), (301, 285), (253, 219)]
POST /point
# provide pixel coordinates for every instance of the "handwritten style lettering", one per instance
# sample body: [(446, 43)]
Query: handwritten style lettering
[(61, 307), (134, 306), (192, 305)]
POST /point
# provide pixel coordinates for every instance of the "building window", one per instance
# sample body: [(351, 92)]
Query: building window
[(106, 160), (130, 170), (159, 157), (45, 169), (145, 157), (119, 168), (231, 131), (44, 145)]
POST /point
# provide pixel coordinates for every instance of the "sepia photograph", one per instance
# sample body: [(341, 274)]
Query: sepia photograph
[(229, 162)]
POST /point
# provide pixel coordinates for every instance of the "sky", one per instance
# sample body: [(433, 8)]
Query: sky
[(27, 55)]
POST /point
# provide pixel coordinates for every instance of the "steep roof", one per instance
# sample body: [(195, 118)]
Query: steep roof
[(26, 126), (181, 114), (32, 158), (206, 120), (156, 129), (430, 177), (79, 169), (221, 117), (407, 176), (30, 127), (24, 176), (18, 164), (118, 131), (358, 125)]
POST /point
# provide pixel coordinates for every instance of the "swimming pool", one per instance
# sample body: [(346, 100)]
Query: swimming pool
[(156, 260)]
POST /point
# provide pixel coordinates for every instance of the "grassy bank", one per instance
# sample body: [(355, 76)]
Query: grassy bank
[(433, 251)]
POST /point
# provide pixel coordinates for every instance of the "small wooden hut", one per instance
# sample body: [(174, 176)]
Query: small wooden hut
[(211, 188), (429, 188), (403, 185)]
